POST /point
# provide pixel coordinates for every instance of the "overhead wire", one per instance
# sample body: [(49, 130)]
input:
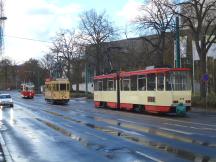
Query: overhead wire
[(29, 39)]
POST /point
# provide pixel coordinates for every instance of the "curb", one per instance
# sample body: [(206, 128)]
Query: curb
[(6, 153)]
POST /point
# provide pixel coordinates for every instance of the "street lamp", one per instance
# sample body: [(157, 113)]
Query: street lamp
[(117, 70), (3, 18)]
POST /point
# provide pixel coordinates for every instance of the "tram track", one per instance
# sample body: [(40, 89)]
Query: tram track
[(163, 132), (109, 152), (165, 120), (128, 136)]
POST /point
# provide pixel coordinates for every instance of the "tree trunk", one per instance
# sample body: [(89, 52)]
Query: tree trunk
[(99, 61), (202, 82), (77, 87), (162, 46)]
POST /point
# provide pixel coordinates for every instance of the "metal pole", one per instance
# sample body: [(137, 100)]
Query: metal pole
[(206, 83), (118, 89), (193, 73), (177, 44), (86, 79), (38, 81)]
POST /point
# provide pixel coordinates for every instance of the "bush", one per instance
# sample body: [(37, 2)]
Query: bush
[(198, 101), (81, 94)]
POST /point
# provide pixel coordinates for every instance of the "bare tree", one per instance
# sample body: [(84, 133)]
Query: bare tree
[(5, 68), (69, 53), (156, 19), (96, 29), (199, 16), (31, 71), (48, 62)]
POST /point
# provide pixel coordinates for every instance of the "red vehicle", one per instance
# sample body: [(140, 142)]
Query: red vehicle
[(27, 90)]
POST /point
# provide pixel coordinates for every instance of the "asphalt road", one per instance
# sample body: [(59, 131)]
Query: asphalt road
[(36, 131)]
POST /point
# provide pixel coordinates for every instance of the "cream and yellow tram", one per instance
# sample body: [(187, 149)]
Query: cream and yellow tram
[(57, 91), (158, 90)]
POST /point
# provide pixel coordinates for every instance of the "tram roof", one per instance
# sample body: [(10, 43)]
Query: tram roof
[(49, 80), (140, 72)]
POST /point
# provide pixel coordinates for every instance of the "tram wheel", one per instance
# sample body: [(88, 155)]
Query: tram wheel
[(138, 108)]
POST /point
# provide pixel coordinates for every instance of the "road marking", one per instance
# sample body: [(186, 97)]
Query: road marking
[(128, 121), (149, 157), (177, 131), (212, 129), (96, 136), (188, 122), (129, 132)]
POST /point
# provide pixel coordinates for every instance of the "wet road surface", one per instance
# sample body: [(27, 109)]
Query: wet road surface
[(37, 131)]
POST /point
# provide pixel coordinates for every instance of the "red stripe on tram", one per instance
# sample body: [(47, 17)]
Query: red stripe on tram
[(112, 105), (97, 103), (126, 106), (152, 108)]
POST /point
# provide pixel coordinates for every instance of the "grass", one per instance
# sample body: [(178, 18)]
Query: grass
[(81, 94), (201, 102)]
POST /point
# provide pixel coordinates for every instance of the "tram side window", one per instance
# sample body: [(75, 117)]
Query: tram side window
[(160, 82), (142, 83), (133, 83), (104, 84), (98, 85), (110, 86), (62, 87), (95, 85), (68, 87), (49, 87), (46, 87), (151, 82), (168, 81), (126, 84), (55, 87)]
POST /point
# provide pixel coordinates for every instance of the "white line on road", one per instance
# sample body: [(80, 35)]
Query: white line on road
[(149, 157), (96, 136), (177, 131), (179, 125), (128, 121), (129, 132), (188, 122)]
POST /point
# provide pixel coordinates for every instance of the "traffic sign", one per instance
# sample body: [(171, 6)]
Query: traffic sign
[(205, 77)]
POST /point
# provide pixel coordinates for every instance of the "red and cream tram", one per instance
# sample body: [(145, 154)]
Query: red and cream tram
[(27, 90), (158, 90)]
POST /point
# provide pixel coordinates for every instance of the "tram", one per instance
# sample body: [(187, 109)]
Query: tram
[(57, 91), (27, 90), (156, 90)]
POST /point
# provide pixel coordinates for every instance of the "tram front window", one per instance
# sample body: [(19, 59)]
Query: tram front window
[(62, 87), (178, 81)]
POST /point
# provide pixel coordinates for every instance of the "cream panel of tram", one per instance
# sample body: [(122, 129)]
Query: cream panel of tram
[(48, 91), (182, 97), (105, 96), (141, 97)]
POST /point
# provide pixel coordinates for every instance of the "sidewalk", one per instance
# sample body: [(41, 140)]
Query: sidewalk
[(209, 110), (2, 154)]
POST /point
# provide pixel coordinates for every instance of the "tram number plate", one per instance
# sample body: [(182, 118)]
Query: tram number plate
[(151, 99)]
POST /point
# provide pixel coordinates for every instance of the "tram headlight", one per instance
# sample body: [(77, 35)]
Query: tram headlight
[(175, 101), (188, 101)]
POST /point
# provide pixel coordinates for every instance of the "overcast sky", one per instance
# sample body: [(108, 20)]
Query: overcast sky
[(41, 19)]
